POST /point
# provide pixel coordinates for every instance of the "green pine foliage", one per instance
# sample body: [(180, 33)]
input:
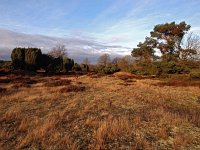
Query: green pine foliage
[(33, 58), (18, 58)]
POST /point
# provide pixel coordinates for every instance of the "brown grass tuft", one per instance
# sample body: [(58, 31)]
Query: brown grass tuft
[(111, 129)]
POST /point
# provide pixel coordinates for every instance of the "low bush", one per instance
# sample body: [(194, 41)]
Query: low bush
[(76, 67), (172, 68), (195, 74), (85, 67), (160, 68), (16, 79), (109, 69)]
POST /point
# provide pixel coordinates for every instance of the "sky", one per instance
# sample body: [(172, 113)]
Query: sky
[(115, 23)]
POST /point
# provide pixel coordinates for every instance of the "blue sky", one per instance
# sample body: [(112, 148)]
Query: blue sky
[(116, 22)]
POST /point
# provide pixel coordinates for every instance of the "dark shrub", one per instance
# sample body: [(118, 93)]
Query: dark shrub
[(172, 68), (68, 64), (76, 67), (20, 85), (2, 90), (73, 88), (178, 83), (51, 64), (108, 69), (85, 67), (195, 74), (58, 83), (5, 80)]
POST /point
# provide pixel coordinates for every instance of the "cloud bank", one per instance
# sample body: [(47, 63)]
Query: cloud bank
[(78, 47)]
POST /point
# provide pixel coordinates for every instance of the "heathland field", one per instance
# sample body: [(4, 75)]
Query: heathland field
[(93, 111)]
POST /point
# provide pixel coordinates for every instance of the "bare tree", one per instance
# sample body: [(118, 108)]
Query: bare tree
[(58, 51), (122, 63), (129, 59), (191, 46), (115, 60), (192, 41), (104, 60)]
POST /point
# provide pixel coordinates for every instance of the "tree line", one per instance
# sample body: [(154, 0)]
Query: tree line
[(32, 59), (169, 49)]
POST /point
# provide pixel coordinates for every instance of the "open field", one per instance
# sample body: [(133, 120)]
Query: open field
[(98, 112)]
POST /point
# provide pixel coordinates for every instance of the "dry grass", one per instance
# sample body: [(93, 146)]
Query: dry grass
[(97, 112)]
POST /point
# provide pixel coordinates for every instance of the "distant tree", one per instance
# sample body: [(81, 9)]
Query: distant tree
[(104, 60), (115, 60), (77, 67), (191, 47), (125, 63), (130, 60), (122, 64), (58, 51), (85, 67), (86, 61)]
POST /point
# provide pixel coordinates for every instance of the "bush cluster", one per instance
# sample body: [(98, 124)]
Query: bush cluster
[(110, 69), (195, 74), (32, 59), (159, 68)]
